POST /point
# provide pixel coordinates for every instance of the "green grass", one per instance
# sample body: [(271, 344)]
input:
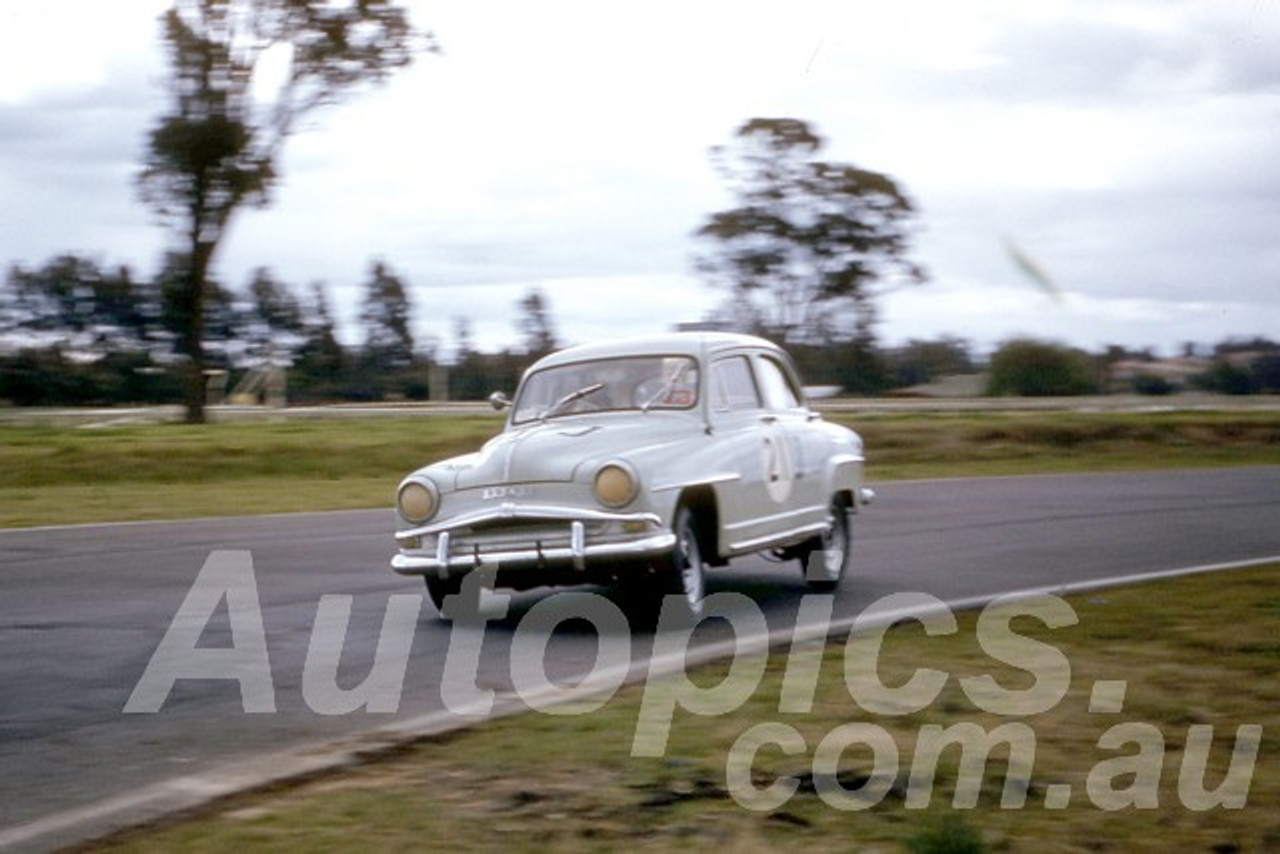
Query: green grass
[(1199, 650), (58, 475), (53, 475), (940, 445)]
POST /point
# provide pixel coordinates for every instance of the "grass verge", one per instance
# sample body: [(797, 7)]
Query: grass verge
[(61, 475), (568, 783), (967, 445)]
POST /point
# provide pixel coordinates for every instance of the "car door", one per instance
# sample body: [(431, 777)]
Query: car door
[(794, 477), (741, 429)]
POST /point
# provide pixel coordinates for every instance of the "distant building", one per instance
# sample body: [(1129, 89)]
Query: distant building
[(1244, 359), (1176, 372)]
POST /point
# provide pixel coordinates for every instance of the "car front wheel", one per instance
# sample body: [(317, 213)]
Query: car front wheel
[(686, 577)]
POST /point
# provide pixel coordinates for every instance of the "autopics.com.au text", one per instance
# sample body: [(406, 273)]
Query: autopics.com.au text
[(1126, 774)]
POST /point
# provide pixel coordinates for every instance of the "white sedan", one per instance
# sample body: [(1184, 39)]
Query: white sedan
[(644, 462)]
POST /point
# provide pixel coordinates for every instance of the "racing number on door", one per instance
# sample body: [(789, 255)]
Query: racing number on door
[(779, 470)]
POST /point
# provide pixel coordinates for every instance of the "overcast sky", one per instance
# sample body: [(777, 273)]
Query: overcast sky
[(1129, 148)]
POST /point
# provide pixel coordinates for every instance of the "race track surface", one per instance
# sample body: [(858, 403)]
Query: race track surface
[(84, 608)]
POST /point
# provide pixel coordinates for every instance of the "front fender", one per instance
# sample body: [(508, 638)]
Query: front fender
[(664, 496)]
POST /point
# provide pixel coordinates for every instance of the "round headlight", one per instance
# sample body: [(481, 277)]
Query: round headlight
[(615, 485), (417, 501)]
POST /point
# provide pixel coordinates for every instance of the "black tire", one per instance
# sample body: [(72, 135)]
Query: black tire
[(825, 558), (686, 570), (438, 588)]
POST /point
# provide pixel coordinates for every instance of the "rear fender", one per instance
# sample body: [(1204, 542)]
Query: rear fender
[(844, 478)]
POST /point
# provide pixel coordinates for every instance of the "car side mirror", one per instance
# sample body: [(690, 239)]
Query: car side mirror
[(499, 401)]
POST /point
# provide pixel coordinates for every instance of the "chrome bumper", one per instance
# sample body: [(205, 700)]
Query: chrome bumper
[(461, 545)]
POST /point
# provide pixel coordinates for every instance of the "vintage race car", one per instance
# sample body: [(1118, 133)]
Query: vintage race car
[(640, 461)]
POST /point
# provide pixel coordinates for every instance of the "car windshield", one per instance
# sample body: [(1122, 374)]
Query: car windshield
[(609, 385)]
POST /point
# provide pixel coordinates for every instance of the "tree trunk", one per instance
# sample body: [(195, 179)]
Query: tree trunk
[(194, 388), (196, 384)]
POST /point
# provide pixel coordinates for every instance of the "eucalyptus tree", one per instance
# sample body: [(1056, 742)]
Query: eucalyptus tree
[(807, 241), (386, 314), (243, 75), (536, 323)]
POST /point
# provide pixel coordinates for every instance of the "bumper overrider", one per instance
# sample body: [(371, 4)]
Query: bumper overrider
[(524, 536)]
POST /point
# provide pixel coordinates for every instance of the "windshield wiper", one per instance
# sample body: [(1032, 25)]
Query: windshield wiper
[(662, 392), (666, 389), (569, 398)]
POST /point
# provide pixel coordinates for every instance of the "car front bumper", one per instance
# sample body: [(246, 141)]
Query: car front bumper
[(519, 537)]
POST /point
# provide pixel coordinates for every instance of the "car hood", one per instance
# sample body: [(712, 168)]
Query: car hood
[(555, 450)]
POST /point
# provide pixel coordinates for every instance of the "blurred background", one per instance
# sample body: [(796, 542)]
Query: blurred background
[(1085, 190)]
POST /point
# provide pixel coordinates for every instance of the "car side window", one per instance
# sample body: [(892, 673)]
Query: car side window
[(732, 387), (779, 391)]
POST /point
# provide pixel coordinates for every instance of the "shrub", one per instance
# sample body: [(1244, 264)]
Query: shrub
[(1225, 378), (1148, 384), (950, 835), (1266, 373), (1040, 369)]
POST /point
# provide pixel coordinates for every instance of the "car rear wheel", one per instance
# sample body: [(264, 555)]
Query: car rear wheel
[(686, 576), (825, 558)]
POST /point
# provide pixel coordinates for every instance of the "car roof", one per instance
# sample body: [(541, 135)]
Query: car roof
[(694, 344)]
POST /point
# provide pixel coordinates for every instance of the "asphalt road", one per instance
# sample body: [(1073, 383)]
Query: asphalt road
[(83, 609)]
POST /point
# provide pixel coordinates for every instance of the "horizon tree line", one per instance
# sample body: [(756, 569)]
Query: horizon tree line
[(75, 330), (78, 331)]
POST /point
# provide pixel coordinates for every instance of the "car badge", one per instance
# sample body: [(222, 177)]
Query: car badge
[(492, 493)]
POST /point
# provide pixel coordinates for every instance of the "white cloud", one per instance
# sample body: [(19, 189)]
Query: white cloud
[(50, 49)]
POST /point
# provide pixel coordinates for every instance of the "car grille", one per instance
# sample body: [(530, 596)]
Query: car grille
[(526, 534)]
